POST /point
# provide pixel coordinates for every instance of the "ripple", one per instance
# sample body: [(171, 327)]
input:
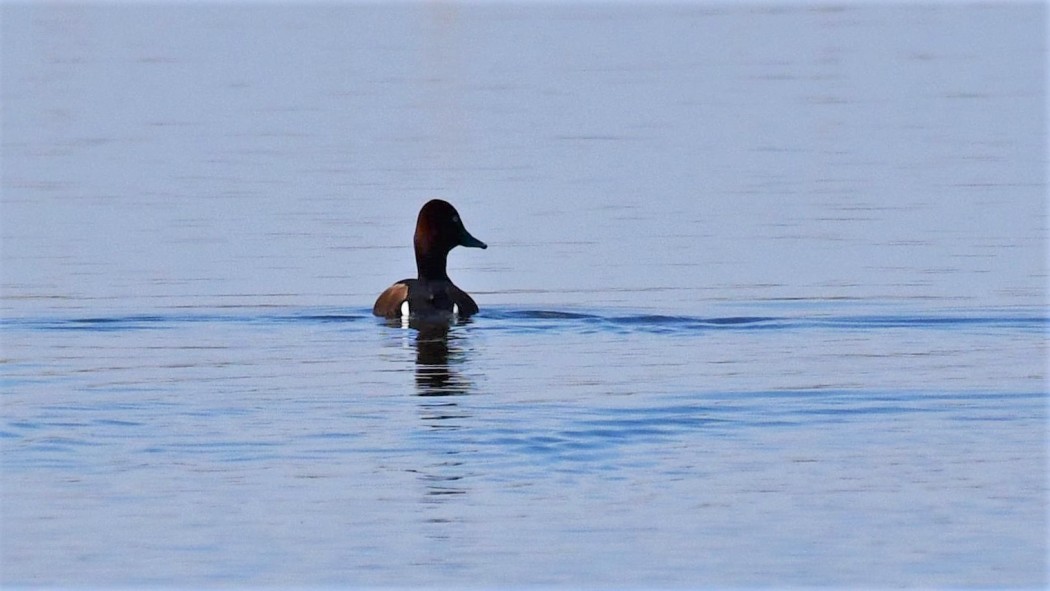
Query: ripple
[(531, 320)]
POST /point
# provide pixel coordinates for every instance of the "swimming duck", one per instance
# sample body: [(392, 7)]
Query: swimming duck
[(439, 229)]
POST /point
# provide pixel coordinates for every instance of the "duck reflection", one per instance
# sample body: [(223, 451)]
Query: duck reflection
[(438, 351)]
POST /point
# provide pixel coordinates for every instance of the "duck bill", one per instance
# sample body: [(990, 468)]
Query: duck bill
[(467, 240)]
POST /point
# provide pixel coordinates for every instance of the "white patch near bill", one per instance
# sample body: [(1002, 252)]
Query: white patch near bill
[(455, 309), (404, 309)]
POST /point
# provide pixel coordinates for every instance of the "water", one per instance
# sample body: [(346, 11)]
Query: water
[(764, 303)]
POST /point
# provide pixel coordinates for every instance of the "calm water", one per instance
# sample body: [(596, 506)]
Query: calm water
[(765, 301)]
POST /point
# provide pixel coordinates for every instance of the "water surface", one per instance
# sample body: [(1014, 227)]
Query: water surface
[(765, 302)]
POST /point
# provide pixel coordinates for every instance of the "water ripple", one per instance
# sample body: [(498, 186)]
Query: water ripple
[(532, 320)]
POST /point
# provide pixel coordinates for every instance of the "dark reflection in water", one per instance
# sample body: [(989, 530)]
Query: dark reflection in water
[(441, 481), (437, 353)]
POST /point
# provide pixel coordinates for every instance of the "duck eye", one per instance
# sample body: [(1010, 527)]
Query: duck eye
[(455, 218)]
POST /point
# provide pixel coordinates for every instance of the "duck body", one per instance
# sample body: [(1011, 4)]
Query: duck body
[(431, 294), (424, 298)]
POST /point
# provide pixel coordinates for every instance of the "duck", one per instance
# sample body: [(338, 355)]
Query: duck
[(439, 229)]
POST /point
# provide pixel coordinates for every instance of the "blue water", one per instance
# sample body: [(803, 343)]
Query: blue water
[(764, 303), (321, 446)]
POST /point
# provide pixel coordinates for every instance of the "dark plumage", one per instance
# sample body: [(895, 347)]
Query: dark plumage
[(438, 230)]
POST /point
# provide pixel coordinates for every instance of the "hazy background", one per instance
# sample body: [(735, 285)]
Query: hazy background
[(215, 153)]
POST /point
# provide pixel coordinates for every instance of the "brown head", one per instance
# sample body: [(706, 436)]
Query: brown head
[(439, 229)]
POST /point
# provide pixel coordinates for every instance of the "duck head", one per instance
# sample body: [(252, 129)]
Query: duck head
[(439, 229)]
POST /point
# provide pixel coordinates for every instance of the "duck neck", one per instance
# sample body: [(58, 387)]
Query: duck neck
[(431, 265)]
